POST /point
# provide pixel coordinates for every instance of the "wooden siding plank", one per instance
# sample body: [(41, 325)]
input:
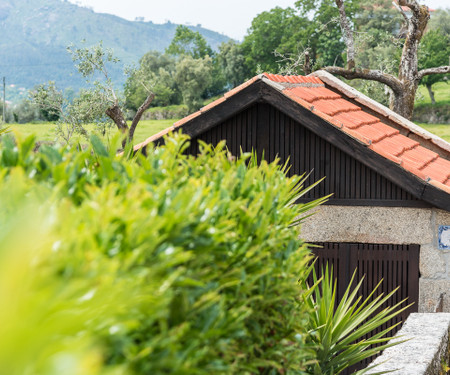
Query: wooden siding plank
[(350, 181)]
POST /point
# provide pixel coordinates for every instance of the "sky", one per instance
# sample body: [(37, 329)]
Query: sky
[(229, 17)]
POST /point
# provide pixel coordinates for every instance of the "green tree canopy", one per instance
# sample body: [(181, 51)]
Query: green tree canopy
[(193, 77), (157, 70), (434, 51), (271, 31), (323, 35), (188, 42)]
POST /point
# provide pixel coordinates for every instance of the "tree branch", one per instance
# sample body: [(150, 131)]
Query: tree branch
[(347, 33), (372, 75), (438, 70), (115, 114), (402, 12), (139, 114)]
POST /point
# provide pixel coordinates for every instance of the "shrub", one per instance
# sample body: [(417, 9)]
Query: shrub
[(338, 328), (157, 264), (168, 112)]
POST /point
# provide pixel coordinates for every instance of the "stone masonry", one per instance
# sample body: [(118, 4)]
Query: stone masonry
[(391, 225)]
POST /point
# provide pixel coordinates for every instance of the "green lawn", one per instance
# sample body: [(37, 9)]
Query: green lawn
[(45, 131), (441, 93), (441, 130)]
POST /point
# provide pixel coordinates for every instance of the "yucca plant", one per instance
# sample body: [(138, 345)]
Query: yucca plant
[(4, 130), (338, 332)]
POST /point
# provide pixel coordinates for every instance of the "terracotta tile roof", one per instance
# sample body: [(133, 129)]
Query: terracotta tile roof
[(335, 108), (380, 137)]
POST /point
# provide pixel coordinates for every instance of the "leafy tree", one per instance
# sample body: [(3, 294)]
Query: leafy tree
[(93, 61), (92, 104), (271, 31), (322, 35), (434, 51), (156, 70), (441, 20), (402, 84), (231, 60), (26, 111), (191, 43), (193, 77), (73, 115), (377, 43), (188, 42)]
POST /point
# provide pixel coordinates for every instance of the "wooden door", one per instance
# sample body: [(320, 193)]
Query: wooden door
[(397, 265)]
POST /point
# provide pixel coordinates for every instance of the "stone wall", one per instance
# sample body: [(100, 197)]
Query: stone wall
[(391, 225), (426, 347)]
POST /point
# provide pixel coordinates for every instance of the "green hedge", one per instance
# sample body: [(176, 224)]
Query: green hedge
[(149, 265), (438, 113), (168, 112)]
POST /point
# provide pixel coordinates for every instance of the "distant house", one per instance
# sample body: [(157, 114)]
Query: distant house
[(389, 215)]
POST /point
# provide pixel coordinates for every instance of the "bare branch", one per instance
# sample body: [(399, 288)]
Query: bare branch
[(411, 4), (139, 114), (438, 70), (399, 8), (372, 75), (307, 64), (347, 33)]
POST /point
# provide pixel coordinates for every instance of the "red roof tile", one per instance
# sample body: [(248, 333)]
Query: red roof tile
[(438, 170), (382, 138), (419, 156), (292, 79), (386, 129), (355, 119), (371, 132), (311, 94), (396, 145), (335, 106)]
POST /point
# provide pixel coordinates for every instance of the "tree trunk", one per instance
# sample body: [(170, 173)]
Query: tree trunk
[(430, 91), (115, 114), (403, 102), (139, 114)]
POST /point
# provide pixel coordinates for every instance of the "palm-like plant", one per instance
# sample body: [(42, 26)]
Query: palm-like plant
[(338, 332), (4, 130)]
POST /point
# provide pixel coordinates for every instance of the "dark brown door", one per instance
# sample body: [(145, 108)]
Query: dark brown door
[(397, 265)]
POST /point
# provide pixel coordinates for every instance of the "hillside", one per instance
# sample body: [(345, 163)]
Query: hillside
[(35, 34)]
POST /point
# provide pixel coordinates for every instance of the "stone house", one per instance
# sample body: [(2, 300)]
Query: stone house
[(389, 213)]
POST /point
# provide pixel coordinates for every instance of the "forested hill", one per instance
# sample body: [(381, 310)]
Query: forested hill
[(34, 35)]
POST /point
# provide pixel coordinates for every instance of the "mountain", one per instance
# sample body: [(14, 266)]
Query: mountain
[(34, 35)]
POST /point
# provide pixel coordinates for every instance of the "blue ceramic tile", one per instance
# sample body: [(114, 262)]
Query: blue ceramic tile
[(444, 237)]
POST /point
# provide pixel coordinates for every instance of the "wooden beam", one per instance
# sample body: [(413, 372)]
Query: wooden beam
[(216, 115)]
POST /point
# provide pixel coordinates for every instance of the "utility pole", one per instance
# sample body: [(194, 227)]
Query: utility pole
[(4, 100)]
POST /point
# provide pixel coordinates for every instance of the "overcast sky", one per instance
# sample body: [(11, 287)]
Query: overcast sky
[(230, 17)]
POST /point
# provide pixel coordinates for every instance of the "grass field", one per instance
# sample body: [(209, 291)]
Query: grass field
[(441, 93), (45, 131), (441, 130)]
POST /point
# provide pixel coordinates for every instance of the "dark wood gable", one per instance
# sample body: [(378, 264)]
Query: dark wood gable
[(263, 127)]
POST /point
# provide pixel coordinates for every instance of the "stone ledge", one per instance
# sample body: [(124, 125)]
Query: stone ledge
[(428, 340)]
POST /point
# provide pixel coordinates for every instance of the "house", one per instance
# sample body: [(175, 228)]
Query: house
[(389, 215)]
